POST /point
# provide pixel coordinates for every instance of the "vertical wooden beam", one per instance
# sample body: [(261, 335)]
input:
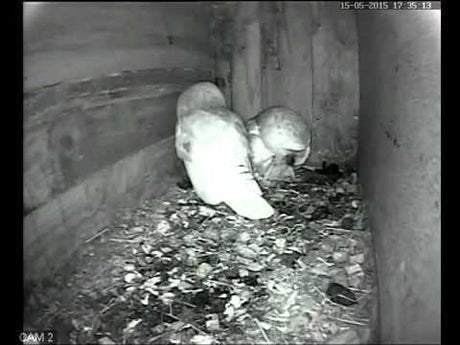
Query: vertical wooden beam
[(246, 61), (223, 66), (287, 69), (222, 21), (336, 83)]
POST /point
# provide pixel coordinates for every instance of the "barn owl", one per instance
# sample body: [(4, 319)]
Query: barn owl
[(277, 136), (200, 96), (212, 141)]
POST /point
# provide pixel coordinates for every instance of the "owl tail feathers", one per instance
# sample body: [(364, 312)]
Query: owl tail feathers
[(249, 205)]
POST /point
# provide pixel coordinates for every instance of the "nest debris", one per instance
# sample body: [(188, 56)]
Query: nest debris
[(178, 271)]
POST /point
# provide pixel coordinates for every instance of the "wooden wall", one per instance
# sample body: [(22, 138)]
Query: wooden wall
[(101, 81), (335, 89), (69, 41), (303, 55), (74, 129), (400, 167)]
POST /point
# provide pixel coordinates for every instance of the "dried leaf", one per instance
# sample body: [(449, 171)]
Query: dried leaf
[(176, 326), (130, 277), (358, 258), (243, 272), (106, 341), (200, 339), (280, 242), (163, 227), (244, 237), (320, 269), (167, 298), (254, 267), (145, 300), (203, 270), (246, 252), (236, 301), (129, 268), (206, 211), (147, 248), (212, 325), (156, 253), (131, 289), (340, 257), (151, 283), (266, 326), (353, 269), (229, 312), (356, 280), (166, 250), (184, 286)]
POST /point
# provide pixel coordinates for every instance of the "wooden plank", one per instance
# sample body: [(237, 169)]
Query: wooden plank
[(224, 78), (335, 84), (222, 20), (287, 76), (54, 231), (114, 37), (113, 86), (66, 143), (224, 44), (82, 142), (246, 62)]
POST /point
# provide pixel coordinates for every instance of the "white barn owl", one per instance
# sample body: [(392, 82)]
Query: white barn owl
[(212, 141), (277, 135)]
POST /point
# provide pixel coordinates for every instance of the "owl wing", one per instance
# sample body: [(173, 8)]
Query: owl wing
[(216, 146)]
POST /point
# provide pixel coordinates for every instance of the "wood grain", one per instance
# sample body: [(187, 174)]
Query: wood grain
[(246, 62), (95, 124), (55, 230)]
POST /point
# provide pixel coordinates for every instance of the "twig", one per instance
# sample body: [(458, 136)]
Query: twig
[(204, 221), (362, 319), (324, 261), (151, 340), (219, 283), (121, 240), (261, 330), (338, 229), (192, 291), (108, 306), (351, 322), (97, 235), (359, 290), (327, 298), (207, 254), (188, 323), (361, 297)]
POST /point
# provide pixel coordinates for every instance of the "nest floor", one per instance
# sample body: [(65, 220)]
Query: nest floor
[(178, 271)]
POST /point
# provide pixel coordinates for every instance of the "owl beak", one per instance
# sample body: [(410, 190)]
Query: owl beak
[(290, 160)]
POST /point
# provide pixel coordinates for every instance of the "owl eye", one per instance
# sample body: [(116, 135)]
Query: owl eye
[(290, 160), (293, 152)]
